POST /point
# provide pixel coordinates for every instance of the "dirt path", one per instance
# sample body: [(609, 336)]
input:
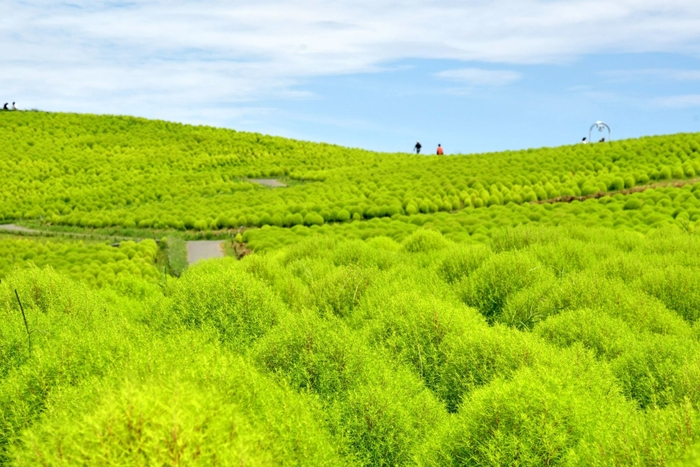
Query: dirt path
[(199, 250), (271, 182), (628, 191), (16, 228), (19, 230)]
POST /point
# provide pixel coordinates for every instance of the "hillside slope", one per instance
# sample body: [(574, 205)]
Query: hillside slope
[(94, 171), (395, 309)]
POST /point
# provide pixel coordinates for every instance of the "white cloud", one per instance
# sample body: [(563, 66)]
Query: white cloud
[(172, 58), (665, 74), (679, 102), (479, 77)]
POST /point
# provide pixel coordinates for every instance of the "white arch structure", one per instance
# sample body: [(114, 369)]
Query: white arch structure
[(602, 126)]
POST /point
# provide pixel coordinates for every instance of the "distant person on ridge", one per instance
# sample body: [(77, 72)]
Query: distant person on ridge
[(417, 147), (584, 141), (440, 151), (14, 107), (602, 140), (4, 107)]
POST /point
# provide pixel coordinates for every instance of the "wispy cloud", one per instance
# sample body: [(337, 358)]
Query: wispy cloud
[(678, 102), (161, 58), (665, 74), (480, 77)]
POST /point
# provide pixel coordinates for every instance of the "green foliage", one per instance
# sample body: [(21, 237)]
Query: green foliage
[(382, 413), (398, 310), (536, 418), (661, 209), (102, 172), (479, 356), (633, 203), (608, 337), (677, 287), (97, 264), (424, 241), (660, 370), (249, 421), (220, 298), (419, 331), (364, 353), (462, 261), (498, 278), (177, 255)]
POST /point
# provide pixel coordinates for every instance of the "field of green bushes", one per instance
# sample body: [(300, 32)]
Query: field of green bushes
[(397, 310), (95, 171), (542, 346), (93, 263), (668, 208)]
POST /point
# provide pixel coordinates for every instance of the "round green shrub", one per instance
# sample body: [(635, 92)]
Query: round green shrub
[(633, 203), (221, 298), (313, 218), (556, 415), (423, 241), (343, 215)]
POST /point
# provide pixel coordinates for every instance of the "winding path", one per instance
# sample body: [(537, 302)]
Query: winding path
[(271, 182), (627, 191), (199, 250), (196, 250)]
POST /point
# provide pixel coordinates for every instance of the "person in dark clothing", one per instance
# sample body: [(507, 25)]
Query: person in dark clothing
[(602, 140), (5, 107), (417, 147)]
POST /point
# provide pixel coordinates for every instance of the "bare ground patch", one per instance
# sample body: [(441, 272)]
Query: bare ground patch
[(271, 182)]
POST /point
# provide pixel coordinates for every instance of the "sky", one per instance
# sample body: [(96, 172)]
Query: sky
[(472, 75)]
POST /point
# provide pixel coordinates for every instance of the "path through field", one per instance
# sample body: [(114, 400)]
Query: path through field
[(271, 182), (19, 230), (627, 191), (16, 228), (199, 250)]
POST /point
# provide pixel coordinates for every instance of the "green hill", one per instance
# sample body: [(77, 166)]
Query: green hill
[(96, 171), (529, 308)]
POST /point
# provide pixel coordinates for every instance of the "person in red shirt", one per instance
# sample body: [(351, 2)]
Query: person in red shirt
[(439, 151)]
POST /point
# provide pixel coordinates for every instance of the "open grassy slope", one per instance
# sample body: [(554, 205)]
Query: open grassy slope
[(668, 208), (94, 171), (397, 310)]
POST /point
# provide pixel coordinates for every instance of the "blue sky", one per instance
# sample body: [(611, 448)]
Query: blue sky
[(473, 75)]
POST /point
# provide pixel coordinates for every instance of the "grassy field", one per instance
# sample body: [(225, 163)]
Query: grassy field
[(97, 264), (667, 208), (93, 172), (498, 330)]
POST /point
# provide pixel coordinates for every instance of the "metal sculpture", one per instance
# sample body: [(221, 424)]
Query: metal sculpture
[(602, 126)]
